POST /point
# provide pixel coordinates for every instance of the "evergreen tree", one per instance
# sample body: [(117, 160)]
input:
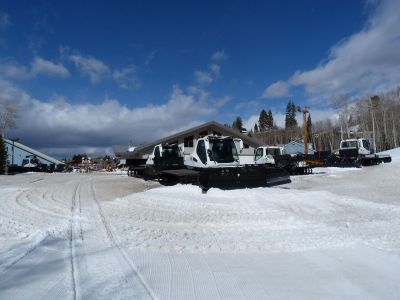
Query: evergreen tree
[(255, 128), (270, 120), (3, 156), (262, 121), (309, 128), (238, 123), (290, 120)]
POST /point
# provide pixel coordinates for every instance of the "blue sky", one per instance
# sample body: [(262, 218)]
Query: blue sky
[(88, 74)]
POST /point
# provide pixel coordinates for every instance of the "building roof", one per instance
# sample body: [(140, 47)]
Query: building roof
[(34, 152), (211, 125)]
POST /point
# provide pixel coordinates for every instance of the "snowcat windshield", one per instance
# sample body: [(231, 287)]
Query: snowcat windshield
[(223, 150), (171, 150), (273, 151), (349, 144)]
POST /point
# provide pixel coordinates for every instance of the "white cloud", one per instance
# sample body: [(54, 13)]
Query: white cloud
[(57, 124), (277, 90), (367, 61), (46, 67), (219, 56), (97, 70), (203, 77), (39, 66), (89, 66), (126, 78), (209, 76)]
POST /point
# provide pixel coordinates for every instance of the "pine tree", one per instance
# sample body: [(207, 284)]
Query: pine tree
[(290, 120), (270, 120), (3, 156), (238, 123), (309, 128), (255, 128), (262, 121)]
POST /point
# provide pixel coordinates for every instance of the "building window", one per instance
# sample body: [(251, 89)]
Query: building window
[(246, 146), (188, 141)]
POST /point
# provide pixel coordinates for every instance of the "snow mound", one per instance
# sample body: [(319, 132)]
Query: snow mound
[(182, 219)]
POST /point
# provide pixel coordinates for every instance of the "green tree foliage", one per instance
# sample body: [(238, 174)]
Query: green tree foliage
[(237, 124), (262, 121), (290, 119), (309, 128), (255, 128), (3, 155), (270, 120)]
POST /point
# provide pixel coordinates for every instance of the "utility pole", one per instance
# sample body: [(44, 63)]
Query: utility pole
[(373, 123), (305, 126)]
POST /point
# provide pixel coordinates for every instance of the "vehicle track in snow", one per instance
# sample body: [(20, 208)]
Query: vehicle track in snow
[(136, 280), (70, 250)]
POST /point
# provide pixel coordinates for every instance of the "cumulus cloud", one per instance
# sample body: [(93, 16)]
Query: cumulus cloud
[(58, 126), (97, 70), (89, 66), (46, 67), (277, 90), (367, 61), (39, 66)]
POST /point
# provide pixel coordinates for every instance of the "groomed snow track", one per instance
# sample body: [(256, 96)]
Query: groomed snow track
[(78, 257)]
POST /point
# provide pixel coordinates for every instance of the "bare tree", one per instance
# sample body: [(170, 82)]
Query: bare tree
[(8, 115)]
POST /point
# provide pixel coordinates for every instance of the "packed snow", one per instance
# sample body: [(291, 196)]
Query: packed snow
[(334, 234)]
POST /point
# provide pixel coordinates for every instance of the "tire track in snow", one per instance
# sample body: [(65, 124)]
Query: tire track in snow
[(72, 246), (122, 253)]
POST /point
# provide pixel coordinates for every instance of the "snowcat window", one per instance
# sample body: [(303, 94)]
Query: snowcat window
[(157, 152), (273, 151), (259, 153), (171, 150), (223, 150), (366, 144), (201, 151), (352, 144)]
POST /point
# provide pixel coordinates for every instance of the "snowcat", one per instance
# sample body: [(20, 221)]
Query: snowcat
[(295, 164), (214, 163), (356, 153)]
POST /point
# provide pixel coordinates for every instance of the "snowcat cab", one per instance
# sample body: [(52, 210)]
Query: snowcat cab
[(356, 153), (217, 159), (31, 162), (354, 147), (267, 154), (214, 152), (165, 154)]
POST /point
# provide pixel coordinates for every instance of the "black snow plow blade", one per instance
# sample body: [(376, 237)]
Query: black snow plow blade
[(249, 176)]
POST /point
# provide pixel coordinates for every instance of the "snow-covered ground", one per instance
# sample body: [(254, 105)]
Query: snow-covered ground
[(331, 235)]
